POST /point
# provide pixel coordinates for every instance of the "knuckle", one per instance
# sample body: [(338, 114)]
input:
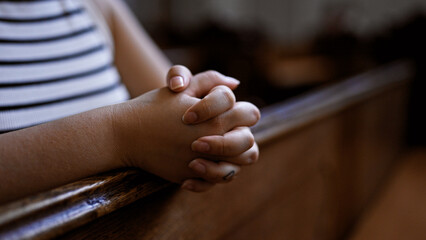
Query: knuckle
[(225, 93), (228, 95), (244, 109), (205, 109), (246, 160), (255, 154), (248, 135), (256, 114), (218, 125), (250, 157), (251, 140), (212, 75), (255, 157), (254, 111)]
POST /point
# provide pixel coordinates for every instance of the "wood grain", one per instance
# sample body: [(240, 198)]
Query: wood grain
[(323, 155)]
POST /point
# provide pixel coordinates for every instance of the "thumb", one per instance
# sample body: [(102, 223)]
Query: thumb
[(178, 78)]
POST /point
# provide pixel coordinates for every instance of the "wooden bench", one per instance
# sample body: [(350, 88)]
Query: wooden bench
[(323, 157)]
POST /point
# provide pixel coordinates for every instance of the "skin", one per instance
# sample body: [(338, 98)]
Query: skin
[(163, 138), (154, 131)]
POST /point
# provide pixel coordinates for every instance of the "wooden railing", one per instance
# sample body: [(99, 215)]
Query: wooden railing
[(323, 156)]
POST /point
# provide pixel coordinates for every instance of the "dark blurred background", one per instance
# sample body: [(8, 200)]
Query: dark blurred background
[(282, 48)]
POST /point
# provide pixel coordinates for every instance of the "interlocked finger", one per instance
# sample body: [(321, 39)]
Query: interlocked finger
[(247, 158), (214, 172), (243, 114), (219, 100), (196, 185), (231, 144)]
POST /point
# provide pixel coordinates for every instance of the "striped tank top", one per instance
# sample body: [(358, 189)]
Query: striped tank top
[(54, 62)]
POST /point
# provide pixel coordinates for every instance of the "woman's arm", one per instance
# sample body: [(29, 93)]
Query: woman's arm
[(141, 63), (52, 154), (146, 132)]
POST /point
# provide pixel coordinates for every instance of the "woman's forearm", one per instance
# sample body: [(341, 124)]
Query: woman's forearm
[(48, 155), (146, 132)]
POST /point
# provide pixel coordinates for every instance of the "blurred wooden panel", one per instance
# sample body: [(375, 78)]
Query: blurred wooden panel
[(353, 154), (370, 140), (399, 212)]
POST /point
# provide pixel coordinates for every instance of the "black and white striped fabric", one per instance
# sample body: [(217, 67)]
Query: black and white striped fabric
[(54, 62)]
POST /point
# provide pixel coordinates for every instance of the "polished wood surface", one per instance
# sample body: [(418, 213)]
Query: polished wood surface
[(52, 213), (323, 156)]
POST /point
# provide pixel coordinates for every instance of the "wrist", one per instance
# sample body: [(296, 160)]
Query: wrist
[(115, 124), (125, 130)]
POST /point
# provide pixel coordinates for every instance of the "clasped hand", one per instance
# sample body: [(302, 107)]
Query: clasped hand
[(197, 135)]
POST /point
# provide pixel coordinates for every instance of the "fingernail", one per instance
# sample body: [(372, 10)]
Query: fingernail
[(200, 146), (176, 82), (188, 186), (231, 79), (229, 175), (198, 167), (190, 117)]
